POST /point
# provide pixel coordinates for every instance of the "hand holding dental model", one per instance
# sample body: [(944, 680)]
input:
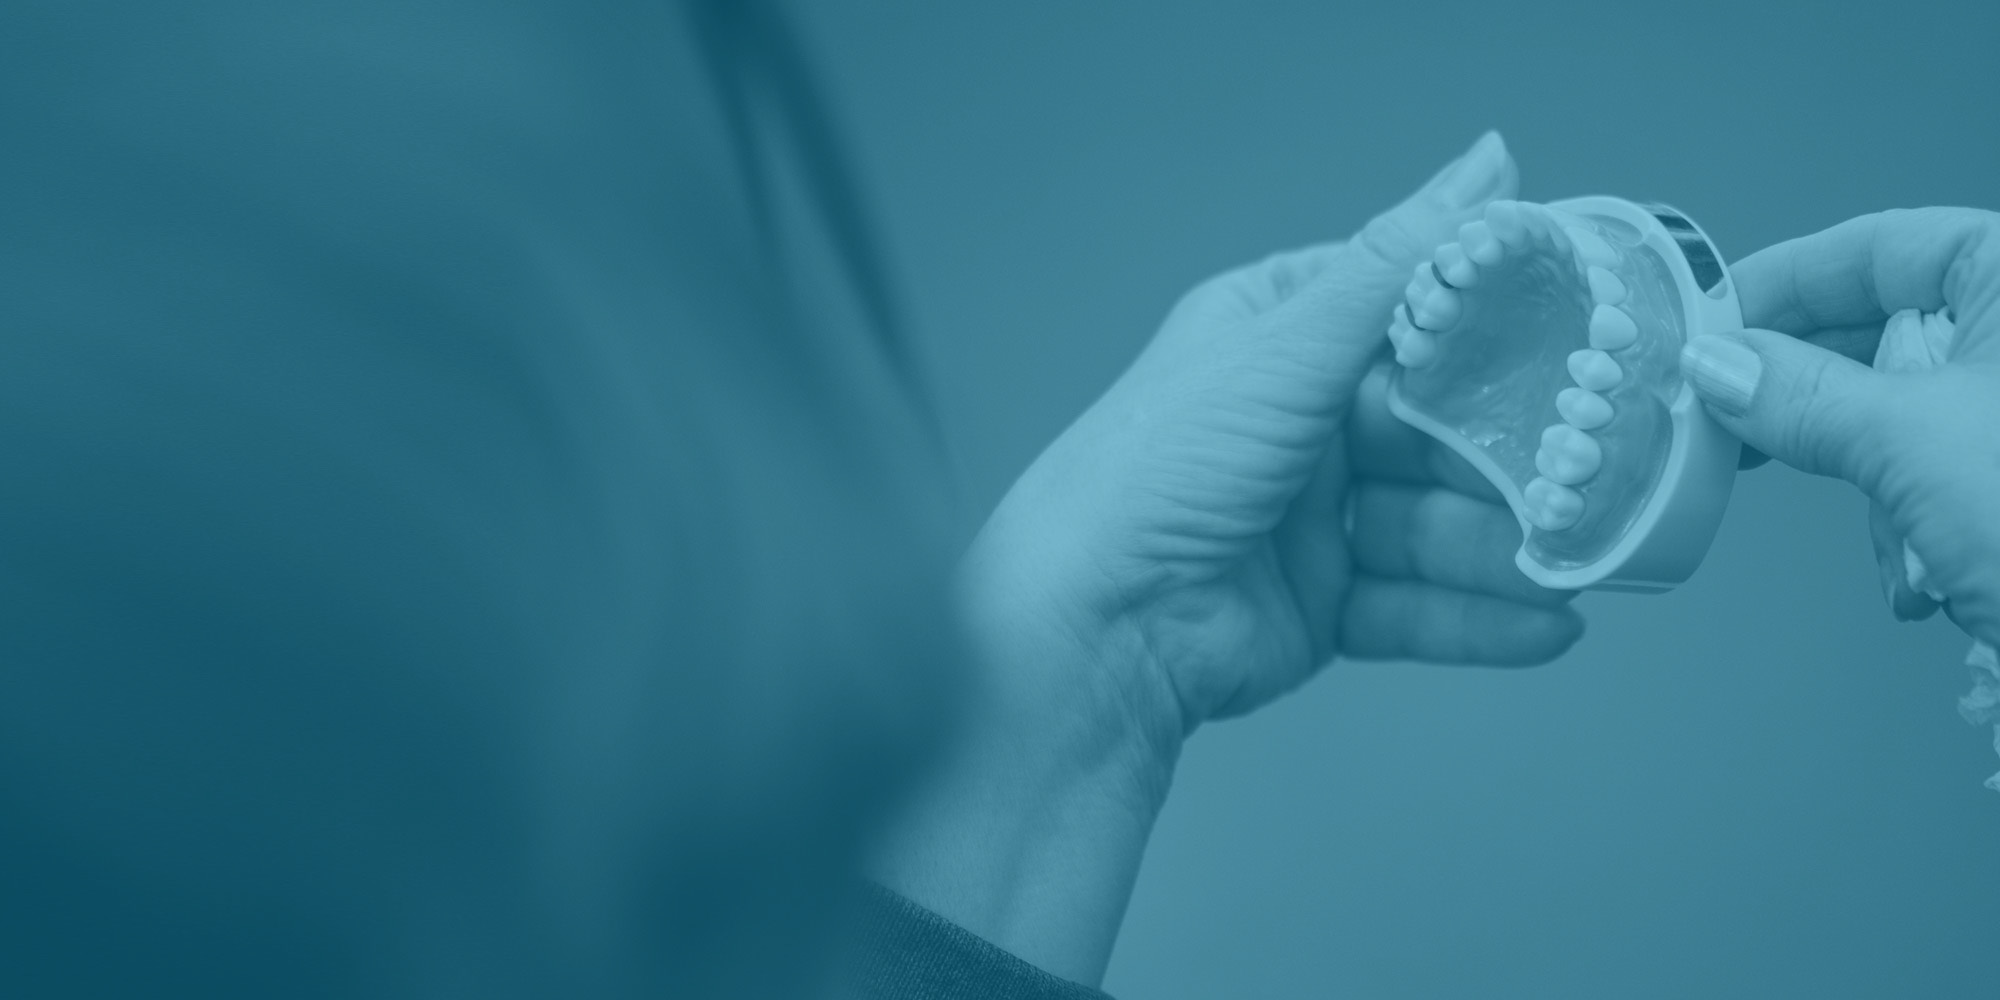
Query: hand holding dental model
[(1924, 445), (1241, 507), (1236, 511), (1919, 433)]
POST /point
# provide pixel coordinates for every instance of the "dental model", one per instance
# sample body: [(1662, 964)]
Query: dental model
[(1544, 346)]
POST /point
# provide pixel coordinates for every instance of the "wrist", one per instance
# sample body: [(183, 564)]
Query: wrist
[(1060, 661), (1030, 831)]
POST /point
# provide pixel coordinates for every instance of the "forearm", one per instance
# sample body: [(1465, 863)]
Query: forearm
[(1035, 855)]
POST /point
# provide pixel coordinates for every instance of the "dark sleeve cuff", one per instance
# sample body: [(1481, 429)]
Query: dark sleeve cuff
[(909, 953)]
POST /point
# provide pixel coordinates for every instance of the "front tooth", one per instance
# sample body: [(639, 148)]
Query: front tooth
[(1508, 222), (1594, 370), (1591, 248), (1612, 329), (1455, 266), (1568, 456), (1551, 506), (1605, 287), (1583, 409), (1481, 246)]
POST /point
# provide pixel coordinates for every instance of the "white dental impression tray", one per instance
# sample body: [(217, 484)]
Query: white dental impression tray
[(1544, 346)]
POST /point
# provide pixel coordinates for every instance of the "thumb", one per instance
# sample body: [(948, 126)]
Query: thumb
[(1342, 316), (1803, 405), (1384, 252)]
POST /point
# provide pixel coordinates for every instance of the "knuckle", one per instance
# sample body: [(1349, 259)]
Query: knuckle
[(1378, 530), (1841, 427), (1420, 546), (1822, 428)]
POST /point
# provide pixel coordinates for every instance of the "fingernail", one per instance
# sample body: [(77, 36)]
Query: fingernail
[(1477, 175), (1724, 372)]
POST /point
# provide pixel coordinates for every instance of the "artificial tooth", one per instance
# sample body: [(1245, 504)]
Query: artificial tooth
[(1414, 348), (1418, 291), (1605, 287), (1583, 409), (1552, 506), (1418, 350), (1509, 222), (1541, 222), (1433, 304), (1591, 248), (1568, 456), (1455, 266), (1612, 329), (1439, 311), (1399, 327), (1559, 238), (1594, 370), (1481, 246)]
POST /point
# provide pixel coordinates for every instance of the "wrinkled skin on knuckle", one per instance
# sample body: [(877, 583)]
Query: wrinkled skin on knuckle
[(1831, 436)]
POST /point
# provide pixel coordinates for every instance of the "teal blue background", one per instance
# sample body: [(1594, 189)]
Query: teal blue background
[(1756, 786)]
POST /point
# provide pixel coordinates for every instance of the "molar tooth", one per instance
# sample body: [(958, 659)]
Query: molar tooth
[(1399, 328), (1508, 222), (1612, 329), (1433, 305), (1440, 310), (1552, 507), (1583, 409), (1414, 348), (1416, 292), (1594, 370), (1481, 246), (1591, 248), (1605, 286), (1456, 266), (1418, 350), (1568, 456)]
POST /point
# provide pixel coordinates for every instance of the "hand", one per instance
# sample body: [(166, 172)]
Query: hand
[(1191, 528), (1183, 552), (1924, 446)]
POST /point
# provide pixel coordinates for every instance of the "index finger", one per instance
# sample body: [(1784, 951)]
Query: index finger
[(1858, 273)]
